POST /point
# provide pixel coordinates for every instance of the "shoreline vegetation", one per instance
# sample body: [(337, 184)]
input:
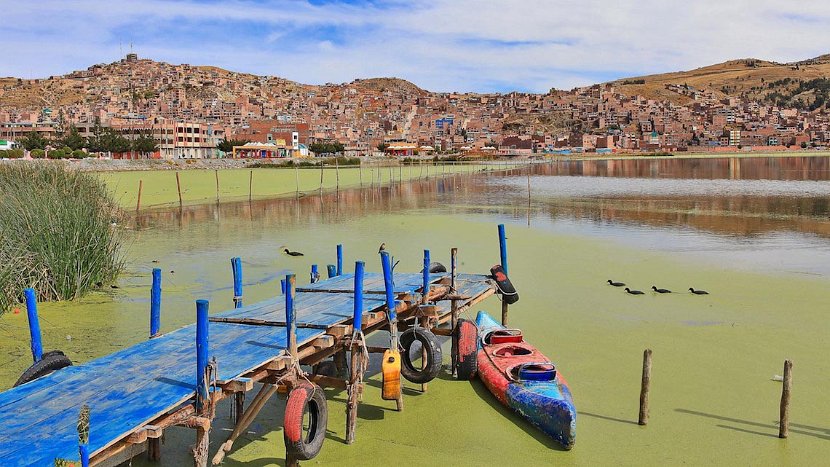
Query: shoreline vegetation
[(59, 233)]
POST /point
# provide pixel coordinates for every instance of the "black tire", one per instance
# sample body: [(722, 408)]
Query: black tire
[(466, 346), (50, 362), (433, 355), (435, 267), (326, 368), (301, 443)]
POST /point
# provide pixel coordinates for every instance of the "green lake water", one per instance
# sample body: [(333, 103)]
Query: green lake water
[(758, 244)]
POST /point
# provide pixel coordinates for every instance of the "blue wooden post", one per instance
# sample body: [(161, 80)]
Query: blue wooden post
[(34, 324), (236, 265), (339, 259), (155, 303), (503, 247), (332, 270), (386, 264), (357, 319), (290, 321), (201, 352), (282, 286), (315, 274), (425, 288)]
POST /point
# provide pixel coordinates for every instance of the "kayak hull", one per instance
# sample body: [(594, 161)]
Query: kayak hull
[(544, 399)]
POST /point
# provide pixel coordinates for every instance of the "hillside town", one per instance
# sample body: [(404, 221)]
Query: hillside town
[(190, 110)]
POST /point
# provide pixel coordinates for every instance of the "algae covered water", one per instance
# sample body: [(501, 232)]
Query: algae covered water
[(712, 400)]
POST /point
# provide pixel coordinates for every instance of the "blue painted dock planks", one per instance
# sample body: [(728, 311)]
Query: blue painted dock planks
[(132, 387)]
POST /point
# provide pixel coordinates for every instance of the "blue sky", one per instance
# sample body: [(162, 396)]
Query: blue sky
[(461, 45)]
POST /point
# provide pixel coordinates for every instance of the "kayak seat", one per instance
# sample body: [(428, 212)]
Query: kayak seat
[(534, 371), (511, 350), (503, 336)]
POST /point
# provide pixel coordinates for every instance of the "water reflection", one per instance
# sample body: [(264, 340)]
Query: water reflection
[(727, 207)]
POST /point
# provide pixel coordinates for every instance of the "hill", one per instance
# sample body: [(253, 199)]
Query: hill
[(753, 79)]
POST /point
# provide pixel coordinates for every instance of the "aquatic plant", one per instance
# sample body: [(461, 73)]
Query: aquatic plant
[(58, 232)]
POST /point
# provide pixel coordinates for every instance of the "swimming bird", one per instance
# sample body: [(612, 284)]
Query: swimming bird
[(698, 292), (654, 288), (293, 253), (616, 284), (382, 248), (633, 292), (114, 286)]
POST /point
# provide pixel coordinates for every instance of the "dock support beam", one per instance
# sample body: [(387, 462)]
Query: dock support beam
[(503, 257), (202, 425), (358, 366), (425, 272), (34, 324), (339, 260), (453, 307), (391, 309), (236, 266), (155, 304)]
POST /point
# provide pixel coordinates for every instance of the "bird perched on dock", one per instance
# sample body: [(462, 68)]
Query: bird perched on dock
[(654, 288), (292, 253), (616, 284), (382, 248), (633, 292), (698, 292)]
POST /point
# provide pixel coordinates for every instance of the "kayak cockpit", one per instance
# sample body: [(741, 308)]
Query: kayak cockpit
[(503, 336), (532, 371)]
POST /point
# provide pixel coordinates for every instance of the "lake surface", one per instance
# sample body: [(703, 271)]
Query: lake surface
[(754, 232)]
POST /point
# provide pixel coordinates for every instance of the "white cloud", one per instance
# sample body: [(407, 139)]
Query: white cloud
[(440, 45)]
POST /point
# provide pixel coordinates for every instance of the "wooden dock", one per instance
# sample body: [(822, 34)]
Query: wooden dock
[(138, 392)]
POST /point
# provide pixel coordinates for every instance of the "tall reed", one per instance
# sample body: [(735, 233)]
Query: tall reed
[(58, 232)]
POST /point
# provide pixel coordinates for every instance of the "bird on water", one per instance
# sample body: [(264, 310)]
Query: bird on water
[(698, 292), (292, 253), (616, 284), (633, 292), (654, 288), (382, 248)]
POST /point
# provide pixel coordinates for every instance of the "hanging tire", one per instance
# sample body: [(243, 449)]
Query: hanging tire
[(304, 442), (50, 362), (466, 347), (433, 355)]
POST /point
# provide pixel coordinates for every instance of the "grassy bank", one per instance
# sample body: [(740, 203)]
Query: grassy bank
[(160, 188), (56, 232)]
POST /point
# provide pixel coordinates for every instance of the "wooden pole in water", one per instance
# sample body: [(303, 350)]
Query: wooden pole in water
[(503, 256), (453, 307), (236, 268), (179, 188), (339, 259), (337, 173), (528, 196), (140, 189), (321, 176), (297, 178), (34, 324), (784, 420), (216, 172), (645, 386), (155, 304), (360, 169), (250, 186)]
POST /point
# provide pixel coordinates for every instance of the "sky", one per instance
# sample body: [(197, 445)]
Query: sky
[(458, 45)]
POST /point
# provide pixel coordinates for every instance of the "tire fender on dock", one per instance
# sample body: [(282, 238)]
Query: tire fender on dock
[(49, 363), (300, 443), (434, 355), (466, 345)]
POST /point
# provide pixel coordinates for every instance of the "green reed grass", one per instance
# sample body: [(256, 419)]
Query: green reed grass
[(58, 232)]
